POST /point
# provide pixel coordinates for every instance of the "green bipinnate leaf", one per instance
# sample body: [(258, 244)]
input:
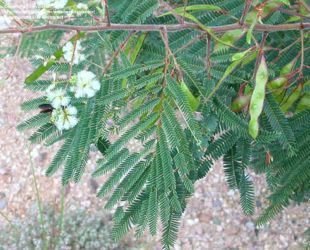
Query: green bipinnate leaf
[(193, 8)]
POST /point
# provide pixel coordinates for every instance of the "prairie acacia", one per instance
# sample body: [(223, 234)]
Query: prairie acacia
[(169, 72)]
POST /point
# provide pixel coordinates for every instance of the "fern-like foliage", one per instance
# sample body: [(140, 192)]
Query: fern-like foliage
[(172, 95)]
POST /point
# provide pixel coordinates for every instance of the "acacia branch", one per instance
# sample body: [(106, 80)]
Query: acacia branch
[(159, 27), (106, 12), (246, 9)]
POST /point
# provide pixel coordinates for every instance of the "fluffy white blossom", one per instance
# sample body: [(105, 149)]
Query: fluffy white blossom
[(86, 84), (56, 4), (68, 50), (65, 118), (57, 97), (82, 6)]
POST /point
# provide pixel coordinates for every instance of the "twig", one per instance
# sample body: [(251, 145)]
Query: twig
[(302, 51), (164, 35), (184, 11), (167, 7), (291, 12), (208, 56), (38, 198), (304, 4), (9, 221), (192, 41), (156, 27), (260, 53), (123, 44), (72, 59), (62, 212), (106, 12), (246, 9)]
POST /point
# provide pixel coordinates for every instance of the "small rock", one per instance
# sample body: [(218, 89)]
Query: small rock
[(192, 222), (2, 122), (250, 225), (34, 153), (204, 218), (42, 156), (15, 188), (231, 192), (216, 221), (217, 203), (3, 170), (233, 230), (93, 148), (93, 184), (219, 228), (258, 203), (3, 201)]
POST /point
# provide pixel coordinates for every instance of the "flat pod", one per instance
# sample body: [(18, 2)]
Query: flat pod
[(258, 97)]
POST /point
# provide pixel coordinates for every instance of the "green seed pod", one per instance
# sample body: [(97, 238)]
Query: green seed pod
[(277, 83), (304, 103), (279, 94), (240, 55), (253, 128), (287, 68), (258, 97), (240, 103), (194, 102), (294, 96)]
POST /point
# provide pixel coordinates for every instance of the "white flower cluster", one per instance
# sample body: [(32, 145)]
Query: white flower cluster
[(64, 115), (82, 6), (86, 84), (57, 97), (55, 4), (68, 50), (65, 118)]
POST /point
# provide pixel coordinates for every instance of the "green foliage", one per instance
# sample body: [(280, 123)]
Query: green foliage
[(142, 99)]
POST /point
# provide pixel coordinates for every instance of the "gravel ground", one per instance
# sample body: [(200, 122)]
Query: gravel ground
[(212, 220)]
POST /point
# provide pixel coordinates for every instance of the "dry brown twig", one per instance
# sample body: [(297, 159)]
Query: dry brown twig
[(156, 27)]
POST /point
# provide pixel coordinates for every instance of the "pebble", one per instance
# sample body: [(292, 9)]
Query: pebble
[(250, 225), (217, 203), (3, 201), (217, 221), (3, 170), (231, 192), (93, 184), (204, 217), (15, 188), (258, 203), (193, 221)]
